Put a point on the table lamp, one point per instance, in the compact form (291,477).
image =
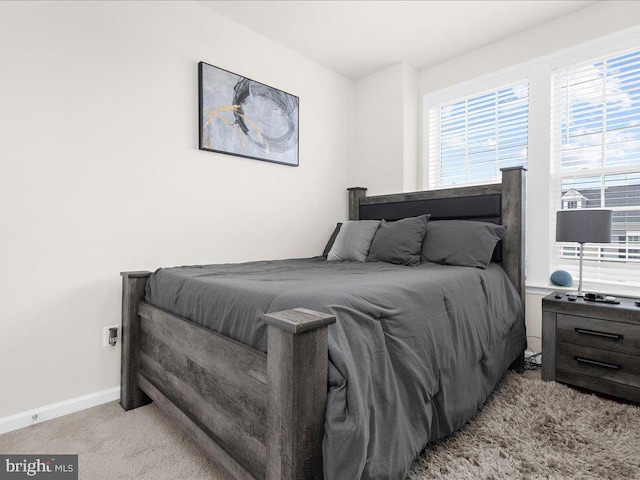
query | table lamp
(583,226)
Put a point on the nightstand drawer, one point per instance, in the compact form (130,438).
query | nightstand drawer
(592,383)
(602,334)
(606,365)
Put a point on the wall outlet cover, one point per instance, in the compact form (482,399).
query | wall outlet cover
(105,335)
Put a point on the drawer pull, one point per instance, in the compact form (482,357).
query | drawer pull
(598,364)
(613,336)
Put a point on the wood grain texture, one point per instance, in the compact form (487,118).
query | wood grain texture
(549,322)
(247,412)
(598,363)
(356,194)
(458,192)
(603,334)
(133,285)
(198,432)
(298,320)
(513,215)
(626,311)
(615,389)
(187,390)
(219,382)
(240,368)
(297,376)
(264,412)
(593,345)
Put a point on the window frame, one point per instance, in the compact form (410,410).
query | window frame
(458,92)
(540,223)
(600,260)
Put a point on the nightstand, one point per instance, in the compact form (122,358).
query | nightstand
(592,345)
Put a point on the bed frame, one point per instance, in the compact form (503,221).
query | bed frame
(261,416)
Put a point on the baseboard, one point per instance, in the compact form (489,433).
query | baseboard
(49,412)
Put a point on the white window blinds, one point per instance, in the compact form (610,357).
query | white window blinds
(596,162)
(472,138)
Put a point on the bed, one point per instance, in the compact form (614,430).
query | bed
(249,360)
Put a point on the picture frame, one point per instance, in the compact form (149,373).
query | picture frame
(242,117)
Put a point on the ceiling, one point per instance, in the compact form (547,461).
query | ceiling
(356,38)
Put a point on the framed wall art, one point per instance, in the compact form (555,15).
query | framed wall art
(242,117)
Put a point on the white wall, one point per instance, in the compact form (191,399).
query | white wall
(584,25)
(386,131)
(100,173)
(581,26)
(411,103)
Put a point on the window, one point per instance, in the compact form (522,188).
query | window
(472,138)
(578,132)
(632,251)
(596,160)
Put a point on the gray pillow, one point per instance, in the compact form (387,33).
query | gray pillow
(461,242)
(399,242)
(353,240)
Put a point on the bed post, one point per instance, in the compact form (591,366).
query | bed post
(133,284)
(355,194)
(513,215)
(513,243)
(297,393)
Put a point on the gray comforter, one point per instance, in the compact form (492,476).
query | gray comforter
(414,353)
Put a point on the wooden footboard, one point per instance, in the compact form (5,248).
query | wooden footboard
(259,416)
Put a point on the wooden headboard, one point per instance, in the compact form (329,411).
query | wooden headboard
(501,203)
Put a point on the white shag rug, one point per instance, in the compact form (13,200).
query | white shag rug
(530,429)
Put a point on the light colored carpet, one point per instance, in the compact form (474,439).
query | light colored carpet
(528,430)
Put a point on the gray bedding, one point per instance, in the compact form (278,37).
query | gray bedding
(414,352)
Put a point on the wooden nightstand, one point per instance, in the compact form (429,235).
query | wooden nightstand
(592,345)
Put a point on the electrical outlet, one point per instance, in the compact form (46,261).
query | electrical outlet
(105,335)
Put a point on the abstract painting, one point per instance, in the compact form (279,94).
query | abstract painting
(239,116)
